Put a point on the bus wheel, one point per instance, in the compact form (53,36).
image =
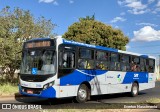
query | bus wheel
(82,94)
(134,90)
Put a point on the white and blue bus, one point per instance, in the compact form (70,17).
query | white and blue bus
(58,68)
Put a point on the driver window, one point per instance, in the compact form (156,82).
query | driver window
(68,60)
(48,62)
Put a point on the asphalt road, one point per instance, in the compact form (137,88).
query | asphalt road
(95,100)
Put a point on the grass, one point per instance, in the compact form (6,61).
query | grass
(8,89)
(153,100)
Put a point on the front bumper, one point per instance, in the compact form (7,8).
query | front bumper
(47,93)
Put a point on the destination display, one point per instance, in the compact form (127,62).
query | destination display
(38,44)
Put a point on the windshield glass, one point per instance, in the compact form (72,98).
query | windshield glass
(38,62)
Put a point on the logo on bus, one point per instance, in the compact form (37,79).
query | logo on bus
(34,71)
(119,77)
(136,75)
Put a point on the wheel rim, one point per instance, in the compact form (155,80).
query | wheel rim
(82,94)
(135,90)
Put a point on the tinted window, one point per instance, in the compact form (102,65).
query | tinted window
(114,64)
(86,57)
(85,53)
(125,62)
(68,60)
(101,60)
(101,55)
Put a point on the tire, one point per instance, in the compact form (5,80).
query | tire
(82,94)
(134,90)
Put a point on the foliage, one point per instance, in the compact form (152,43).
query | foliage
(16,27)
(8,89)
(90,31)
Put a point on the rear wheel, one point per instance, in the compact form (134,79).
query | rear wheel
(82,94)
(134,90)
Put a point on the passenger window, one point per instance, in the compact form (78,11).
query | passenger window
(86,53)
(101,55)
(142,64)
(85,60)
(125,60)
(150,66)
(101,60)
(114,64)
(135,64)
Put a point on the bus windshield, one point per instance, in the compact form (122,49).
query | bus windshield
(41,61)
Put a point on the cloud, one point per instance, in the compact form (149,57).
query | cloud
(150,1)
(116,19)
(147,24)
(135,6)
(146,33)
(122,13)
(49,1)
(158,4)
(55,3)
(58,36)
(46,1)
(71,1)
(128,47)
(157,9)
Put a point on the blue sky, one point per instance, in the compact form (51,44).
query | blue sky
(138,19)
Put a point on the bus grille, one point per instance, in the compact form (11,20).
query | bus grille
(35,90)
(32,78)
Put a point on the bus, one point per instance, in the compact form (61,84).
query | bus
(59,68)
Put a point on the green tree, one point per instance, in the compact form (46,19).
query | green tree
(17,26)
(90,31)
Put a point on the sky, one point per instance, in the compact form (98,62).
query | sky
(138,19)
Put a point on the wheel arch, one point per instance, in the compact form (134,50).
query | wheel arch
(87,84)
(136,83)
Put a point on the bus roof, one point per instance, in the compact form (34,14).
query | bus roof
(104,48)
(64,41)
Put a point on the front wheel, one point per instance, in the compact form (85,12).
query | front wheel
(134,90)
(82,94)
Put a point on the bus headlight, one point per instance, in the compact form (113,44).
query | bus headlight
(51,84)
(48,85)
(45,86)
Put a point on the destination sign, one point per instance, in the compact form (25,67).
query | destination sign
(38,44)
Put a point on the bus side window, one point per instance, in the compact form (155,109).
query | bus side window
(151,65)
(86,57)
(114,64)
(142,65)
(68,60)
(124,59)
(101,60)
(135,64)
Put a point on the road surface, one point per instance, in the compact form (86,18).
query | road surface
(95,100)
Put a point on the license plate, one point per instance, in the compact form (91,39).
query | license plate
(29,91)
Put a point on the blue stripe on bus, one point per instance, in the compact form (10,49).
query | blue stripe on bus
(79,76)
(89,45)
(140,77)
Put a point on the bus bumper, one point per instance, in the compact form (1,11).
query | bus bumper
(47,93)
